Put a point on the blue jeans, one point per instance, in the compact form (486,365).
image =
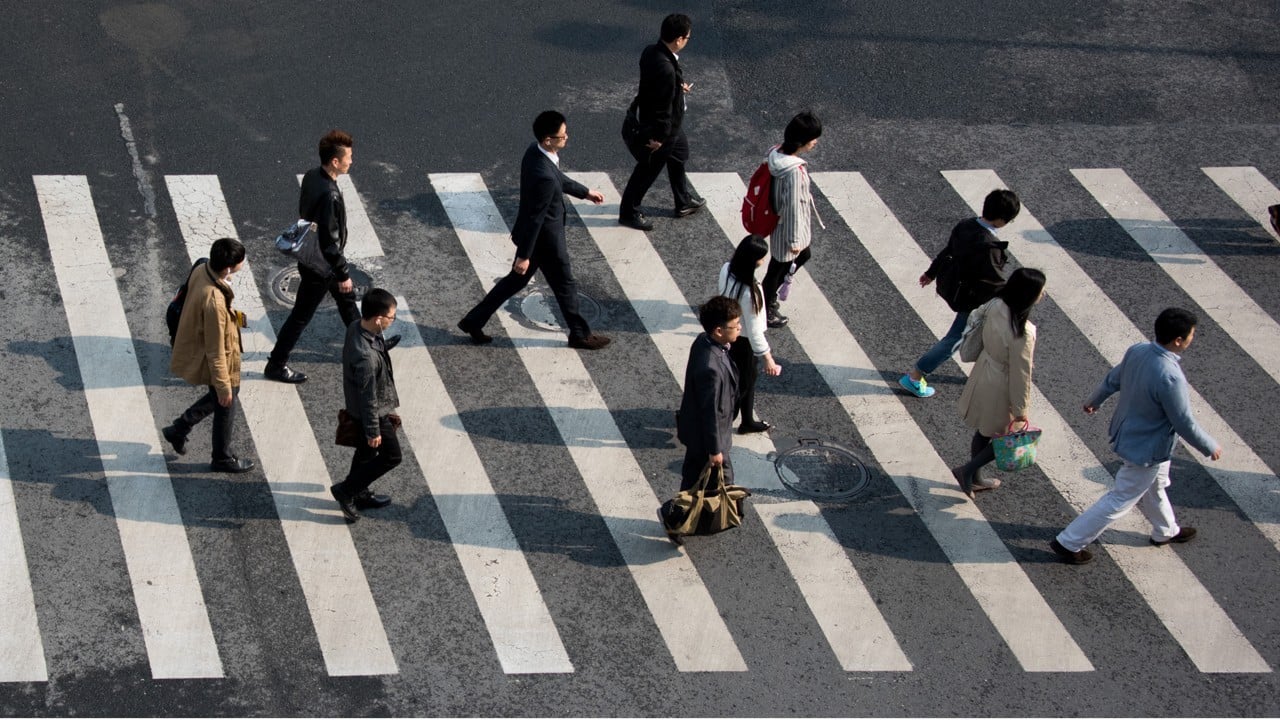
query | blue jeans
(943,349)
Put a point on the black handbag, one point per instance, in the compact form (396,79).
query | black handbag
(349,433)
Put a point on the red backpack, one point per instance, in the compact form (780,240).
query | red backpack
(758,215)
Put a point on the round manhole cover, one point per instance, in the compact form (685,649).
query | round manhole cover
(284,283)
(820,470)
(541,308)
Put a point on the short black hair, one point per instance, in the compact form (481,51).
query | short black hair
(717,312)
(225,253)
(1174,323)
(675,25)
(547,124)
(330,143)
(803,127)
(1001,205)
(376,302)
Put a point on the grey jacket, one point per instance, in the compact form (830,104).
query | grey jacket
(709,403)
(794,202)
(1153,406)
(367,380)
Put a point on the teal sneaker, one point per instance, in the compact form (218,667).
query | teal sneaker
(919,389)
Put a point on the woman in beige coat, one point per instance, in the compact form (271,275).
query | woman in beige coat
(999,388)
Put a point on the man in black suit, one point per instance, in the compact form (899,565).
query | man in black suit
(320,201)
(539,237)
(654,130)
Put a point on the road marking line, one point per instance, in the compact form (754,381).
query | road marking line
(1021,616)
(362,239)
(680,605)
(1198,275)
(1193,617)
(505,590)
(171,610)
(1250,189)
(844,610)
(21,651)
(348,627)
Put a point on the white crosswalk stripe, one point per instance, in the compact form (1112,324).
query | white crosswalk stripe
(21,651)
(344,608)
(175,623)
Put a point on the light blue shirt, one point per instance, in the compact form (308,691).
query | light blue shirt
(1154,406)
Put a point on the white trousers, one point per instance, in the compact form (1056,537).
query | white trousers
(1135,485)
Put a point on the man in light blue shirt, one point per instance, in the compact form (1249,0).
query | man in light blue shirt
(1153,410)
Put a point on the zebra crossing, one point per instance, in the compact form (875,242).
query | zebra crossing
(527,632)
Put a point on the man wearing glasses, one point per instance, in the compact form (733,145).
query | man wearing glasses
(539,237)
(371,400)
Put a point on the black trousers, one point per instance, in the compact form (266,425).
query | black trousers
(745,361)
(776,273)
(223,421)
(311,290)
(369,464)
(558,274)
(695,461)
(981,453)
(649,163)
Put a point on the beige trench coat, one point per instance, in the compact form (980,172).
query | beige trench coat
(206,350)
(999,388)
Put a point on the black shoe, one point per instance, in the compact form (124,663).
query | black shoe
(368,501)
(637,221)
(284,374)
(392,341)
(477,335)
(777,320)
(1184,535)
(590,342)
(1274,213)
(345,504)
(175,438)
(695,204)
(753,426)
(674,538)
(1079,557)
(232,465)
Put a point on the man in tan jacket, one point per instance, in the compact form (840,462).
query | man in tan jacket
(206,351)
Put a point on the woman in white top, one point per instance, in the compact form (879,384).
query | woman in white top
(738,281)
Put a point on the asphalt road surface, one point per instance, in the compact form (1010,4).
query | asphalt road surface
(520,570)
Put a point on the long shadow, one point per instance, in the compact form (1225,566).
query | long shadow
(1104,237)
(647,427)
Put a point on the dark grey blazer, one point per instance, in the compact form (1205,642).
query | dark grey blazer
(710,399)
(368,383)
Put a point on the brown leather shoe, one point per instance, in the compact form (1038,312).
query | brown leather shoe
(1184,535)
(1079,557)
(590,342)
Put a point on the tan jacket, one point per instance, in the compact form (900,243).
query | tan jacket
(999,388)
(206,350)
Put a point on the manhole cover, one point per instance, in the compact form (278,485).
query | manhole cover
(820,470)
(284,283)
(541,308)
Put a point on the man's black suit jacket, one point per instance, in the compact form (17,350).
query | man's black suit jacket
(541,215)
(661,95)
(710,399)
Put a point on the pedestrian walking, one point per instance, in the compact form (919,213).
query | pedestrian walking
(1153,409)
(738,281)
(539,237)
(969,271)
(998,392)
(710,400)
(369,388)
(206,351)
(789,243)
(319,201)
(654,126)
